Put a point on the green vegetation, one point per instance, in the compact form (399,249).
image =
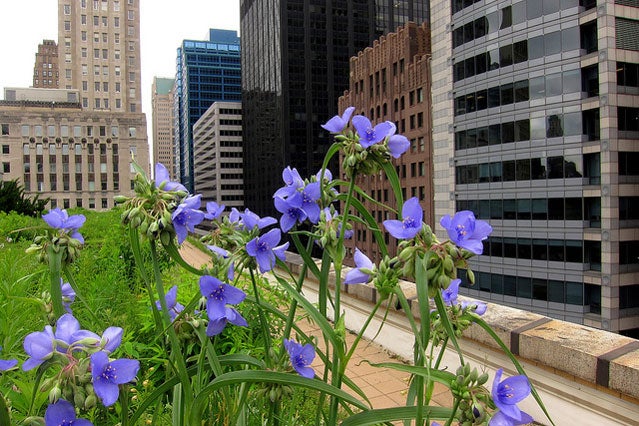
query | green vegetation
(13,199)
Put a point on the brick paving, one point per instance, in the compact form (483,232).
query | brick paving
(383,386)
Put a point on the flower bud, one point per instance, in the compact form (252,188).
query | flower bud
(54,394)
(90,402)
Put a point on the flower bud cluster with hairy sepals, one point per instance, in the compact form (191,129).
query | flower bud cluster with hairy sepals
(359,160)
(460,319)
(59,242)
(474,398)
(149,211)
(386,277)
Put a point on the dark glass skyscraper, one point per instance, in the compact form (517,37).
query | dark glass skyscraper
(207,71)
(295,65)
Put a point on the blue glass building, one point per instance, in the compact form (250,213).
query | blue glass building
(207,71)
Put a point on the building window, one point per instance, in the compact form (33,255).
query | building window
(104,203)
(83,19)
(6,167)
(96,37)
(4,129)
(131,15)
(67,25)
(116,22)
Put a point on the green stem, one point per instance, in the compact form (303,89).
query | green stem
(55,266)
(263,323)
(175,344)
(298,286)
(124,405)
(139,261)
(361,333)
(452,414)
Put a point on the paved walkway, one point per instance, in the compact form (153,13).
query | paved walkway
(384,387)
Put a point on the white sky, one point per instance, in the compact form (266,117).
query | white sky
(163,25)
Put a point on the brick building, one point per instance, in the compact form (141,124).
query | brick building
(391,82)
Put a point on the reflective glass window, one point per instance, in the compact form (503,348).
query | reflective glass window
(537,128)
(469,67)
(536,47)
(469,32)
(481,63)
(553,85)
(572,124)
(520,51)
(507,94)
(482,100)
(574,251)
(552,43)
(551,6)
(510,209)
(534,9)
(493,97)
(556,290)
(521,91)
(523,209)
(523,173)
(537,169)
(506,55)
(519,12)
(537,88)
(554,126)
(522,130)
(509,176)
(539,207)
(524,287)
(494,134)
(496,248)
(493,22)
(493,59)
(481,25)
(570,39)
(574,209)
(540,249)
(571,81)
(540,287)
(506,17)
(556,250)
(510,285)
(524,248)
(555,209)
(574,293)
(573,167)
(507,132)
(482,136)
(510,247)
(555,167)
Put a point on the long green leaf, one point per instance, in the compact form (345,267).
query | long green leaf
(173,251)
(252,376)
(374,417)
(483,324)
(443,377)
(370,221)
(393,179)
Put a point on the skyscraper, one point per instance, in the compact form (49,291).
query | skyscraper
(99,53)
(207,71)
(162,111)
(295,57)
(45,70)
(535,129)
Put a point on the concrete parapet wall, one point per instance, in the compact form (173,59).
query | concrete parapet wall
(600,359)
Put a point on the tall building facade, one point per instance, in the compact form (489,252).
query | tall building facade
(99,53)
(391,82)
(207,71)
(535,129)
(75,157)
(163,130)
(295,59)
(217,147)
(45,71)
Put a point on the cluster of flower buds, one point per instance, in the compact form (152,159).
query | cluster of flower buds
(62,236)
(150,210)
(468,387)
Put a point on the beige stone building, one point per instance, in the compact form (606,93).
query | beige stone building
(45,71)
(99,53)
(391,82)
(77,158)
(163,125)
(217,147)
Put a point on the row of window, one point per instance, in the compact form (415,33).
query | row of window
(492,97)
(556,125)
(65,148)
(572,208)
(64,130)
(569,292)
(531,9)
(66,186)
(488,24)
(558,167)
(548,44)
(66,203)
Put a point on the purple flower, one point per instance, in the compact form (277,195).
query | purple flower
(62,413)
(163,182)
(68,295)
(292,181)
(186,216)
(310,195)
(506,394)
(411,223)
(6,364)
(362,271)
(465,231)
(39,346)
(327,175)
(291,209)
(108,375)
(251,220)
(213,210)
(301,357)
(369,135)
(59,219)
(397,145)
(478,307)
(337,123)
(109,342)
(218,321)
(173,306)
(450,293)
(218,295)
(265,249)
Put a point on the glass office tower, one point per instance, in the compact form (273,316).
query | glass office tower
(535,130)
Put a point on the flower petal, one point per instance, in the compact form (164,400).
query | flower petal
(397,145)
(126,370)
(59,413)
(111,338)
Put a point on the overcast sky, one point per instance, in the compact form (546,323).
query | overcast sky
(164,24)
